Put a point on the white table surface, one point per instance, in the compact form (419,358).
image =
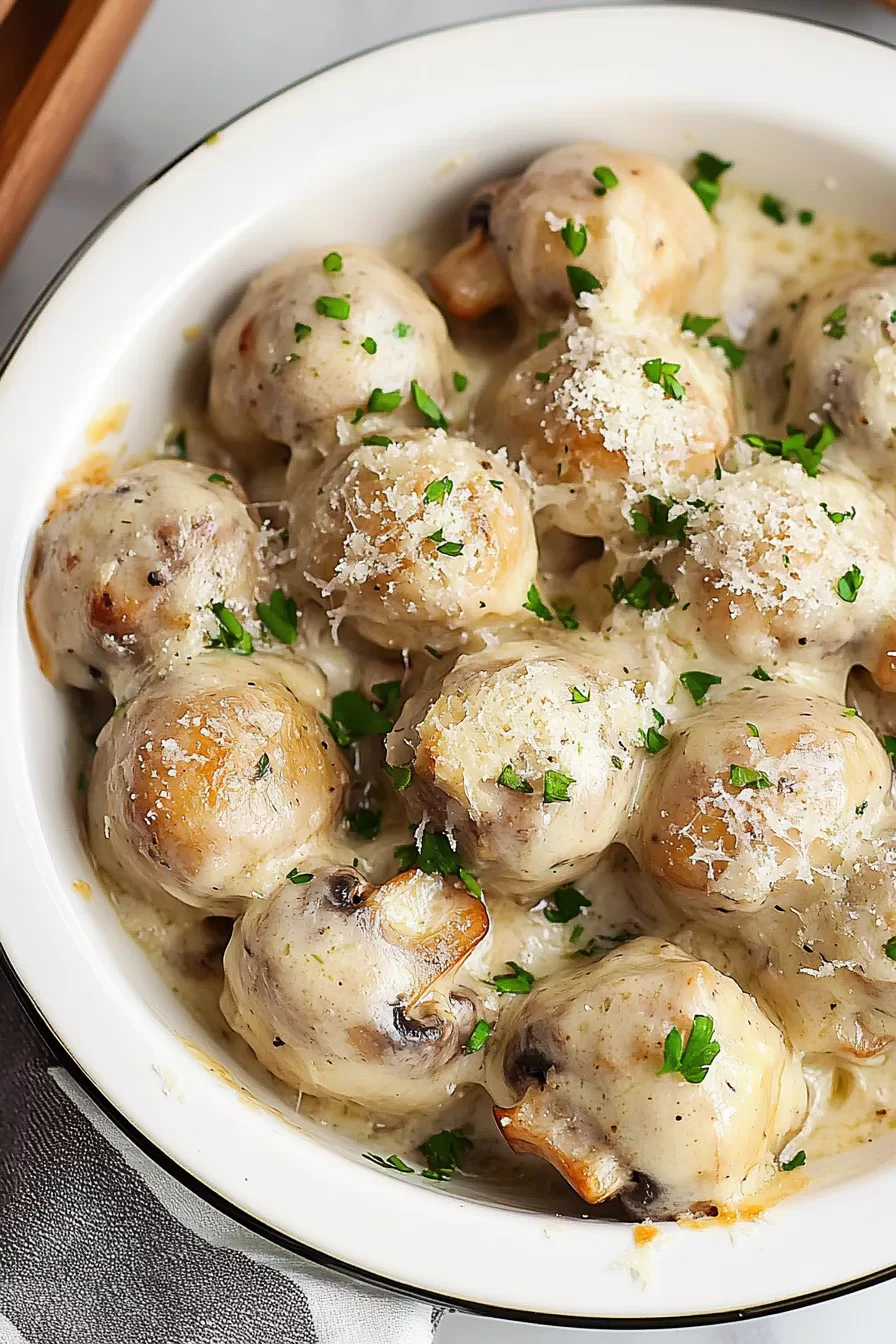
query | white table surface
(195,63)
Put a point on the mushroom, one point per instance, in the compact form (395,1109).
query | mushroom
(348,990)
(646,1075)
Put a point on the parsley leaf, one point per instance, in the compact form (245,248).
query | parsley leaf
(834,325)
(705,182)
(364,821)
(353,717)
(692,1061)
(838,518)
(509,779)
(889,746)
(848,584)
(698,683)
(760,674)
(400,775)
(460,381)
(444,1153)
(332,262)
(575,236)
(579,697)
(534,604)
(698,325)
(478,1037)
(280,616)
(333,306)
(519,982)
(393,1163)
(557,786)
(427,407)
(383,401)
(660,372)
(232,636)
(890,949)
(568,902)
(369,344)
(647,589)
(545,338)
(798,1160)
(773,208)
(439,490)
(301,330)
(743,776)
(298,879)
(263,767)
(796,447)
(582,281)
(401,329)
(883,258)
(653,740)
(605,178)
(657,523)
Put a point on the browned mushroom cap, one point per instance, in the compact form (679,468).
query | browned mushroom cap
(758,788)
(470,280)
(577,1067)
(125,574)
(211,781)
(348,990)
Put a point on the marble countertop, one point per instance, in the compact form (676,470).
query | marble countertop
(195,63)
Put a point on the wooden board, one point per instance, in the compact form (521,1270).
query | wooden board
(56,57)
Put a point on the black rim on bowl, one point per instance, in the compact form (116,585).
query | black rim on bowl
(141,1140)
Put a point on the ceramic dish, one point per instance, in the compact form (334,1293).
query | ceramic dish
(392,140)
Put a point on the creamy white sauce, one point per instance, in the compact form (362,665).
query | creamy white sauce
(765,268)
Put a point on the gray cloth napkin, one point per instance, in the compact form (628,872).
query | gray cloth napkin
(98,1245)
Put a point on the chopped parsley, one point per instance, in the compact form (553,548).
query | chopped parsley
(232,634)
(862,808)
(890,949)
(834,325)
(657,523)
(744,776)
(605,178)
(460,381)
(179,444)
(427,407)
(445,547)
(705,182)
(365,821)
(499,485)
(575,236)
(567,903)
(798,1160)
(653,740)
(839,518)
(383,401)
(332,262)
(660,372)
(545,338)
(582,281)
(509,779)
(353,716)
(534,604)
(579,697)
(217,479)
(698,684)
(263,767)
(760,674)
(883,258)
(301,330)
(774,336)
(444,1152)
(543,376)
(796,447)
(392,1163)
(848,584)
(773,208)
(376,440)
(400,775)
(329,305)
(369,344)
(698,325)
(478,1037)
(889,746)
(439,490)
(401,329)
(648,589)
(557,786)
(754,731)
(805,216)
(433,854)
(299,879)
(280,615)
(566,616)
(692,1060)
(518,982)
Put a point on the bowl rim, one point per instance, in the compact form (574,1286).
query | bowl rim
(28,1003)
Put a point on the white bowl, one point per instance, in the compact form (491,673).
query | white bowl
(361,152)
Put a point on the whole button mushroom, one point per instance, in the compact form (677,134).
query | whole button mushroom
(210,783)
(416,541)
(348,990)
(125,573)
(649,1076)
(529,753)
(319,336)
